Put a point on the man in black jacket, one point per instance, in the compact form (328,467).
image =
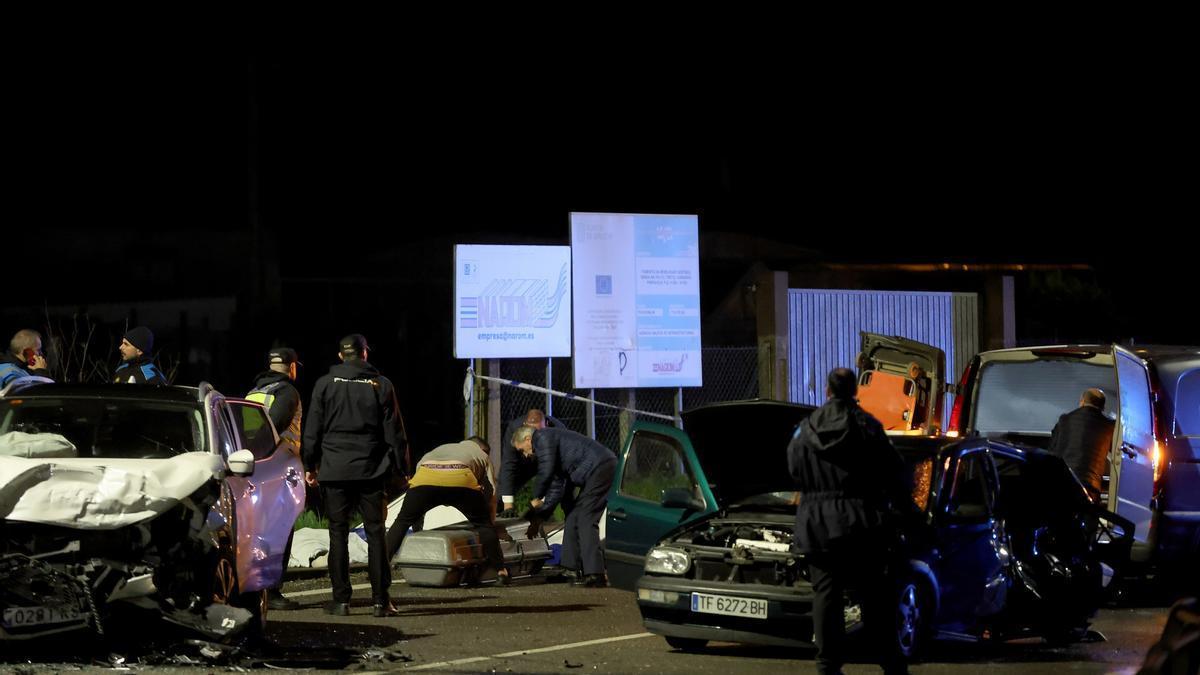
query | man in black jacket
(515,468)
(274,389)
(565,460)
(851,481)
(1083,438)
(353,441)
(137,364)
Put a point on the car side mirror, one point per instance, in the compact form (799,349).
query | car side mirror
(241,463)
(681,498)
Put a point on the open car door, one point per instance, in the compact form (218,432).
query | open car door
(1132,459)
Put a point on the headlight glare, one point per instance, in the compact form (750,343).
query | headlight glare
(666,560)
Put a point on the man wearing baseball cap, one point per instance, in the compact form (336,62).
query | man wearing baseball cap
(353,442)
(137,363)
(274,389)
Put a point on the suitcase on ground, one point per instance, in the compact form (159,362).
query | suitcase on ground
(453,555)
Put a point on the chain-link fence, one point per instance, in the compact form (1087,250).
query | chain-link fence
(730,374)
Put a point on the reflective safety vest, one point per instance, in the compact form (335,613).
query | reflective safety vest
(289,437)
(9,372)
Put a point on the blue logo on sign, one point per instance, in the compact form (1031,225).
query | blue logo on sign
(603,284)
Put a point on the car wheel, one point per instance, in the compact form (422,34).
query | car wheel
(686,644)
(914,616)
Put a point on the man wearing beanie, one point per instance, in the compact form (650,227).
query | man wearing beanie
(353,442)
(137,365)
(273,388)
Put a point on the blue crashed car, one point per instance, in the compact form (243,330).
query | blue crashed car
(1009,545)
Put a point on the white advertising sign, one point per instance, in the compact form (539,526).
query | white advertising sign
(636,282)
(512,301)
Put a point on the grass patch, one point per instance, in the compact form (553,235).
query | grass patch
(311,519)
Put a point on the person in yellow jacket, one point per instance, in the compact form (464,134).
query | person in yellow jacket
(458,475)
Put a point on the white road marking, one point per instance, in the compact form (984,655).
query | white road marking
(525,652)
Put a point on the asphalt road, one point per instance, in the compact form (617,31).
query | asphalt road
(535,627)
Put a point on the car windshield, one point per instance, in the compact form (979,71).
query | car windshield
(88,427)
(1029,396)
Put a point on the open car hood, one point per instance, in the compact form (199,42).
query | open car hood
(742,445)
(100,494)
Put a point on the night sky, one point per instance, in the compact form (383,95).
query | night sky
(170,172)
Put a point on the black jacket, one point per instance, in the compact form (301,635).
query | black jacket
(1083,438)
(140,370)
(849,476)
(515,470)
(287,398)
(353,429)
(563,455)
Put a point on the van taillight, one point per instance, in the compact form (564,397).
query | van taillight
(1156,460)
(960,396)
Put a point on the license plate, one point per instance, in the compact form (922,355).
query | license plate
(729,605)
(16,617)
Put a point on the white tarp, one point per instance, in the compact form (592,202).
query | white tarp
(310,546)
(102,494)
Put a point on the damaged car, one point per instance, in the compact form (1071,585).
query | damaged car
(986,561)
(176,501)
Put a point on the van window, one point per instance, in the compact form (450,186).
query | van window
(1029,396)
(1187,405)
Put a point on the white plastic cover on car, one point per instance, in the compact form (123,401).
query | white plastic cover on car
(21,444)
(102,494)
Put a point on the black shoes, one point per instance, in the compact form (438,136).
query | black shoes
(277,601)
(382,609)
(503,578)
(337,608)
(593,581)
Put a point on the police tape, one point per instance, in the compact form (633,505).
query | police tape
(471,374)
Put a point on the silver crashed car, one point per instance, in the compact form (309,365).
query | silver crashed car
(174,500)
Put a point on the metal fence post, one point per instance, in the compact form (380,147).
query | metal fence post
(679,408)
(549,385)
(591,414)
(626,419)
(495,421)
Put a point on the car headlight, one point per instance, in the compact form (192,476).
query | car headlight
(666,560)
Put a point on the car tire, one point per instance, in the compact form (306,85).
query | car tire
(914,618)
(686,644)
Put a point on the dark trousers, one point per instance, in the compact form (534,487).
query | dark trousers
(341,499)
(287,557)
(419,500)
(859,562)
(581,535)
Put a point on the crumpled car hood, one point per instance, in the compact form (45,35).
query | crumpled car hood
(100,494)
